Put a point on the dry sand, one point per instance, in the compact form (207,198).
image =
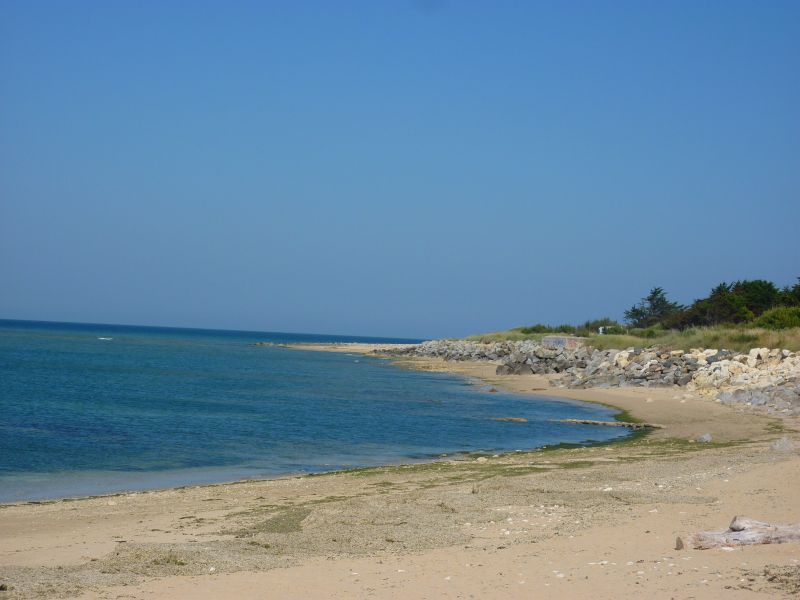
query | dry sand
(596,522)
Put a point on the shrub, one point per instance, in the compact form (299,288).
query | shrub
(538,328)
(594,324)
(614,330)
(648,333)
(782,317)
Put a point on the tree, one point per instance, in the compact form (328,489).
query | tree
(721,306)
(759,295)
(790,296)
(724,306)
(653,309)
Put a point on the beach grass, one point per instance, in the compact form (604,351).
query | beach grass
(512,335)
(731,338)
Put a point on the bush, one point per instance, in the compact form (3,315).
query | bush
(538,328)
(648,332)
(782,317)
(594,324)
(614,330)
(565,329)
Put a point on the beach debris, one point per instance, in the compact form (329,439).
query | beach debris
(742,531)
(481,460)
(703,439)
(784,444)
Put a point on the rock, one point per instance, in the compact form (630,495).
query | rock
(718,356)
(703,439)
(621,360)
(782,445)
(763,379)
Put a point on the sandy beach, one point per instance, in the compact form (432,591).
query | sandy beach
(593,522)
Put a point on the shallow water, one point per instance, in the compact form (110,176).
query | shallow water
(156,407)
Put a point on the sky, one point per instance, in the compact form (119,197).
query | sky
(398,168)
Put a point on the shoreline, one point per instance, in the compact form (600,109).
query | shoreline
(639,404)
(586,522)
(366,350)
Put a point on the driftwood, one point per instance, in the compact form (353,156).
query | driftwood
(742,531)
(611,423)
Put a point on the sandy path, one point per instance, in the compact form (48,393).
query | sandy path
(578,523)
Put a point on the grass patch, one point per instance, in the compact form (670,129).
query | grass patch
(626,417)
(169,559)
(731,338)
(779,426)
(512,335)
(740,339)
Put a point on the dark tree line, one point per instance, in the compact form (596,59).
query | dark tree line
(728,303)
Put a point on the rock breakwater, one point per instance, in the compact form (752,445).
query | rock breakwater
(765,378)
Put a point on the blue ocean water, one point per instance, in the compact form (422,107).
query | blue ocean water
(88,409)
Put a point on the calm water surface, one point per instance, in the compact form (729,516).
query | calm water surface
(154,407)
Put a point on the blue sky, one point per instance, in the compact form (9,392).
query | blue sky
(403,168)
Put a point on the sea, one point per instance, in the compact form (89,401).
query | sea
(91,409)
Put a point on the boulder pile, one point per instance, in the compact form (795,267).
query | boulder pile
(763,377)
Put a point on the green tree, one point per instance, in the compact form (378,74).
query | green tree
(759,295)
(654,308)
(724,306)
(790,296)
(721,306)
